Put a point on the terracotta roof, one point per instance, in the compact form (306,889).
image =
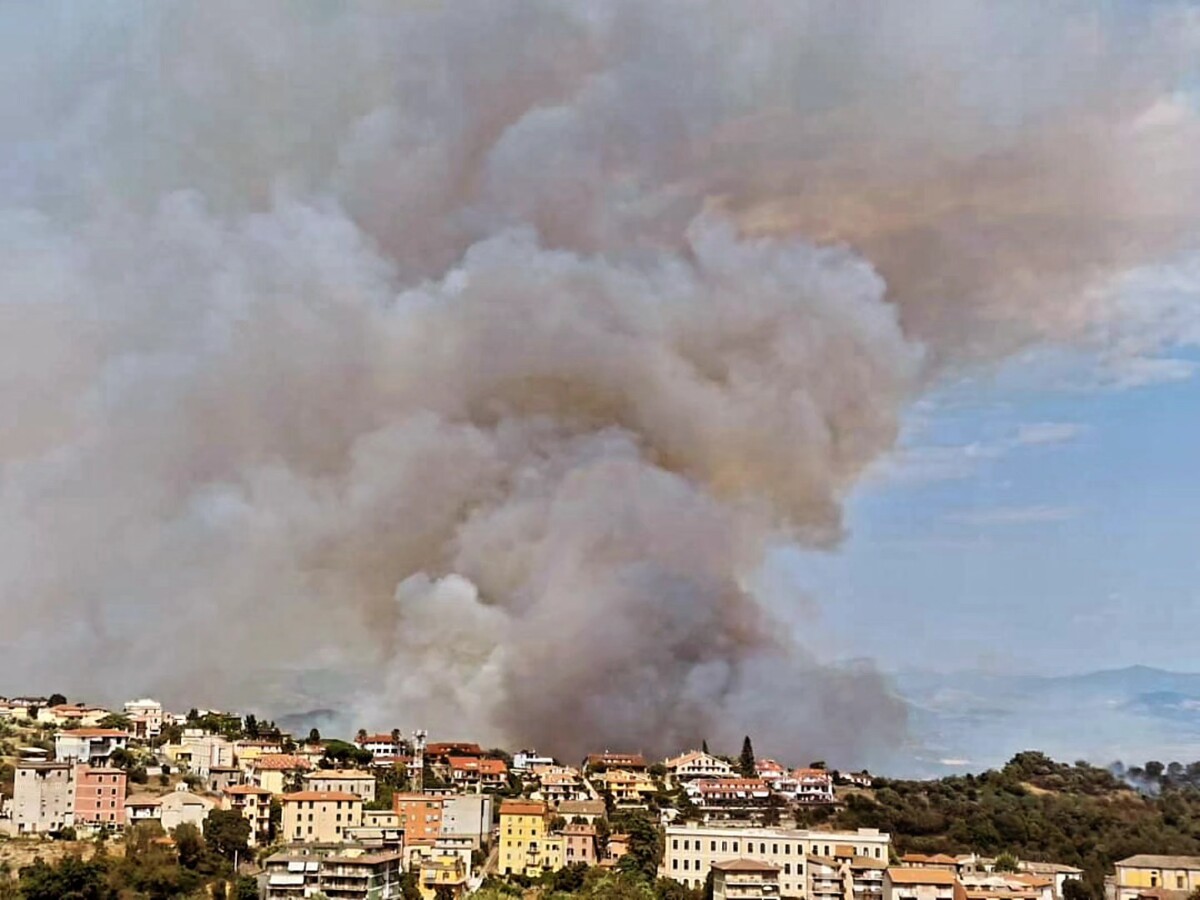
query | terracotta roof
(917,875)
(322,795)
(617,759)
(95,732)
(281,762)
(744,865)
(581,808)
(717,784)
(522,808)
(246,789)
(343,774)
(378,739)
(143,801)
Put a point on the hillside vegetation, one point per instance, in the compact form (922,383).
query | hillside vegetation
(1037,809)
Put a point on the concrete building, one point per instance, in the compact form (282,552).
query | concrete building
(813,786)
(99,797)
(599,762)
(146,715)
(1148,875)
(630,789)
(142,809)
(579,844)
(339,873)
(467,816)
(587,810)
(182,806)
(442,870)
(88,745)
(468,772)
(420,815)
(254,803)
(221,778)
(348,781)
(524,760)
(691,850)
(524,825)
(915,883)
(320,817)
(200,752)
(845,876)
(43,797)
(745,879)
(729,797)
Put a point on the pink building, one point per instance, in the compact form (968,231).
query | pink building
(99,796)
(581,844)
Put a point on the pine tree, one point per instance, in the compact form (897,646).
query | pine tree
(746,760)
(704,747)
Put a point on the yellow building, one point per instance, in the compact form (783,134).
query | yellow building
(320,817)
(629,789)
(524,827)
(444,871)
(1146,874)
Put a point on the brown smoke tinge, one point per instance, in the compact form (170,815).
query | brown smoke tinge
(479,350)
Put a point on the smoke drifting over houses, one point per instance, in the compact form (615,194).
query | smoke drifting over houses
(487,346)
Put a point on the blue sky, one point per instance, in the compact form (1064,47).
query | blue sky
(1021,529)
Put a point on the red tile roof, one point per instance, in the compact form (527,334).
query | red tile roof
(322,795)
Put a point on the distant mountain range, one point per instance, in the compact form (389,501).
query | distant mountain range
(967,721)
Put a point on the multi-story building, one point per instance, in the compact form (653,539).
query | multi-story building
(89,745)
(467,816)
(43,797)
(599,762)
(629,789)
(444,871)
(420,816)
(579,844)
(254,803)
(200,752)
(344,873)
(697,764)
(382,747)
(278,773)
(142,809)
(813,786)
(586,810)
(146,716)
(916,883)
(320,817)
(1145,873)
(556,789)
(470,772)
(247,750)
(691,850)
(845,876)
(524,760)
(349,781)
(1057,872)
(524,825)
(745,879)
(729,797)
(99,796)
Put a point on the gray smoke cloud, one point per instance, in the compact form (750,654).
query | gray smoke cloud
(482,349)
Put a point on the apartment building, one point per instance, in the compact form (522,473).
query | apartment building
(691,850)
(729,797)
(1140,875)
(420,816)
(467,816)
(442,873)
(320,817)
(345,873)
(745,879)
(629,788)
(524,760)
(524,826)
(99,796)
(146,715)
(43,797)
(471,772)
(916,883)
(348,781)
(182,807)
(599,762)
(845,876)
(254,803)
(278,772)
(88,745)
(697,764)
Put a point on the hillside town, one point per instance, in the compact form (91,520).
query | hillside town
(382,816)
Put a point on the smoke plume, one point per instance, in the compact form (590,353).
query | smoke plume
(484,347)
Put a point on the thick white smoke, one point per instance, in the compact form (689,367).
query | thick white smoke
(484,347)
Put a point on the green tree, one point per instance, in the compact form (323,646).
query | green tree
(70,879)
(1007,862)
(443,892)
(250,726)
(409,889)
(117,721)
(57,700)
(227,833)
(189,845)
(1074,889)
(314,736)
(704,746)
(246,888)
(746,760)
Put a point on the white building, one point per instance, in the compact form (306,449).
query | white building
(43,797)
(916,883)
(745,879)
(524,760)
(182,806)
(350,781)
(88,745)
(467,816)
(696,764)
(691,850)
(146,716)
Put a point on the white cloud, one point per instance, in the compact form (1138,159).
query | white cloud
(1015,515)
(1036,433)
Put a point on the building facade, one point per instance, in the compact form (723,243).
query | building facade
(1140,875)
(43,797)
(745,879)
(99,796)
(347,781)
(691,850)
(320,817)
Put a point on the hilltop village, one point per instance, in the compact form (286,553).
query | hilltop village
(218,804)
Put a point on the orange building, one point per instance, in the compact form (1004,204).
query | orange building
(99,796)
(420,816)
